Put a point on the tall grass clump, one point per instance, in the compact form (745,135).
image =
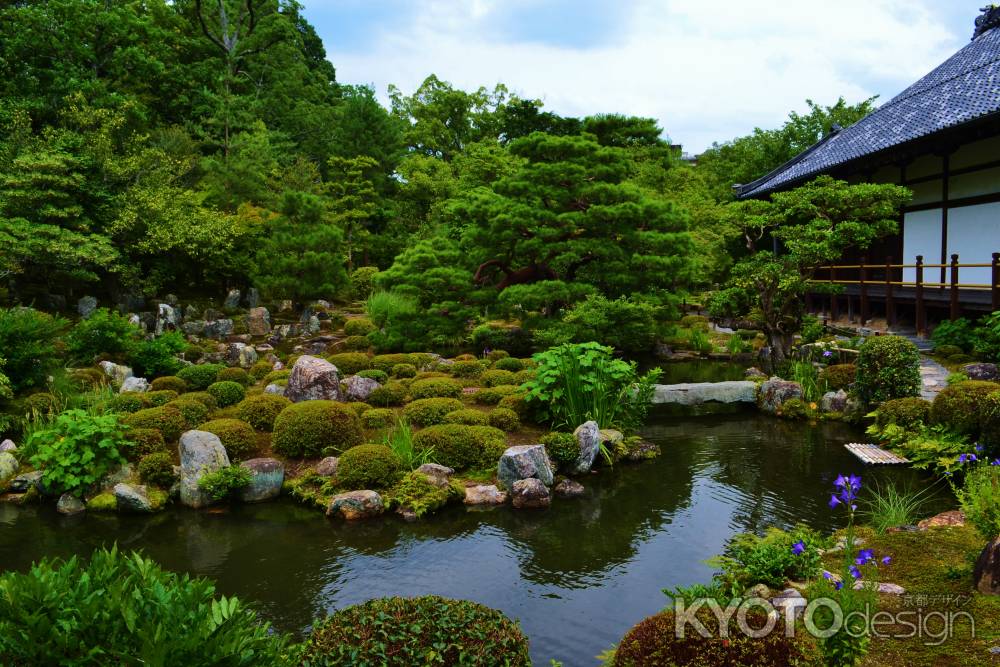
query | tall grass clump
(890,506)
(383,308)
(806,375)
(400,440)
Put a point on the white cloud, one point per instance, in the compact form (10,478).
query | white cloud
(707,71)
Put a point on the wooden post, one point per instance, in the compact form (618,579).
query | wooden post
(995,282)
(890,305)
(863,305)
(954,288)
(834,305)
(921,315)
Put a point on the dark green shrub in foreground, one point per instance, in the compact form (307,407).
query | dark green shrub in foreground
(408,631)
(227,392)
(561,447)
(961,407)
(261,410)
(430,411)
(368,467)
(142,441)
(888,367)
(462,447)
(122,609)
(200,376)
(158,356)
(314,428)
(167,419)
(238,437)
(390,394)
(905,412)
(77,450)
(157,469)
(837,376)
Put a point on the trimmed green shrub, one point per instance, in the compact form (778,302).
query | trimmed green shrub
(260,370)
(361,326)
(130,401)
(143,441)
(980,500)
(227,393)
(837,376)
(468,416)
(368,467)
(504,419)
(195,412)
(237,436)
(315,428)
(962,406)
(908,413)
(404,371)
(76,451)
(625,323)
(426,375)
(122,609)
(374,374)
(154,357)
(261,410)
(430,411)
(493,395)
(462,447)
(515,401)
(359,407)
(171,382)
(363,281)
(435,388)
(466,368)
(166,419)
(958,335)
(496,378)
(157,469)
(390,394)
(527,375)
(385,362)
(89,378)
(198,377)
(511,364)
(888,367)
(378,418)
(947,351)
(561,447)
(356,343)
(202,397)
(455,632)
(349,363)
(279,376)
(161,397)
(496,355)
(234,374)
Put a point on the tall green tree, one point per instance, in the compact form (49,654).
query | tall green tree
(354,203)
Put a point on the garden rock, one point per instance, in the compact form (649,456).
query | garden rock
(884,588)
(588,438)
(357,388)
(986,575)
(117,372)
(982,371)
(218,329)
(758,591)
(23,483)
(259,322)
(285,306)
(312,325)
(252,298)
(312,379)
(530,494)
(642,451)
(8,446)
(789,599)
(775,392)
(201,453)
(8,466)
(86,306)
(191,312)
(194,327)
(754,374)
(265,483)
(436,473)
(232,299)
(134,498)
(356,505)
(833,401)
(69,505)
(119,474)
(524,462)
(167,319)
(611,438)
(947,519)
(241,354)
(569,488)
(134,384)
(328,467)
(696,393)
(274,389)
(484,494)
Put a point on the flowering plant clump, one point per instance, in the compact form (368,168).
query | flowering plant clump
(979,494)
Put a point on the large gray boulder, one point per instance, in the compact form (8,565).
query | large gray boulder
(259,322)
(22,483)
(588,438)
(8,446)
(569,488)
(193,327)
(530,494)
(524,462)
(776,392)
(313,379)
(135,498)
(986,575)
(357,388)
(328,467)
(69,505)
(696,393)
(265,483)
(276,389)
(117,372)
(218,329)
(135,385)
(167,319)
(252,298)
(86,306)
(232,299)
(981,371)
(356,505)
(833,401)
(201,453)
(484,494)
(8,466)
(436,474)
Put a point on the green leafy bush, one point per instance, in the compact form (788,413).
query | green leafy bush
(195,412)
(980,499)
(378,418)
(234,374)
(504,419)
(362,281)
(561,447)
(888,367)
(403,371)
(158,356)
(947,351)
(511,364)
(417,494)
(390,394)
(812,329)
(374,374)
(127,402)
(227,393)
(143,441)
(456,632)
(104,332)
(961,406)
(166,419)
(515,401)
(40,403)
(202,397)
(987,338)
(909,413)
(198,377)
(122,609)
(435,388)
(837,376)
(368,467)
(27,340)
(496,377)
(494,395)
(225,482)
(356,343)
(466,369)
(468,416)
(958,334)
(171,382)
(462,447)
(157,469)
(349,363)
(493,336)
(160,397)
(626,323)
(261,410)
(314,428)
(430,411)
(77,450)
(237,436)
(358,327)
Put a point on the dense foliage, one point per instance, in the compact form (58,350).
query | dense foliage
(77,450)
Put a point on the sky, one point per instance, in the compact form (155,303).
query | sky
(707,71)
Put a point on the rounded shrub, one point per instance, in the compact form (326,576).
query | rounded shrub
(435,388)
(359,407)
(511,364)
(143,441)
(166,419)
(462,447)
(356,343)
(378,418)
(278,376)
(89,378)
(349,363)
(390,394)
(161,397)
(468,368)
(430,411)
(234,374)
(261,410)
(195,412)
(456,632)
(493,395)
(385,362)
(905,412)
(888,367)
(960,406)
(198,377)
(363,281)
(171,382)
(157,469)
(426,375)
(837,376)
(227,393)
(515,401)
(654,641)
(526,375)
(130,401)
(504,419)
(204,398)
(42,403)
(360,326)
(403,371)
(495,378)
(260,370)
(314,428)
(367,467)
(468,416)
(237,436)
(561,447)
(948,350)
(374,374)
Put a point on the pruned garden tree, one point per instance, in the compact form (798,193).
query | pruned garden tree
(815,225)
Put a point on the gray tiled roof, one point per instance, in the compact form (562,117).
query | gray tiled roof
(965,87)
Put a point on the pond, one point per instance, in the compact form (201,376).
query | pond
(696,370)
(577,575)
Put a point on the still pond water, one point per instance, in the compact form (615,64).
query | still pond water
(577,575)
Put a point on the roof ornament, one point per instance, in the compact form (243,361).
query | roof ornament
(989,19)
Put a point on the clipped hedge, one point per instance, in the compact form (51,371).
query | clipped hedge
(403,371)
(504,419)
(128,402)
(378,418)
(227,392)
(349,363)
(166,419)
(466,368)
(493,395)
(204,398)
(462,447)
(198,377)
(468,416)
(496,377)
(385,362)
(374,374)
(961,406)
(888,367)
(358,327)
(171,382)
(368,467)
(261,410)
(157,469)
(234,374)
(391,394)
(435,388)
(905,412)
(237,436)
(430,411)
(160,397)
(837,376)
(512,364)
(143,441)
(315,428)
(195,412)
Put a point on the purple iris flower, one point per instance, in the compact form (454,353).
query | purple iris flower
(827,353)
(865,556)
(837,585)
(996,462)
(846,490)
(978,447)
(798,548)
(886,560)
(855,572)
(827,575)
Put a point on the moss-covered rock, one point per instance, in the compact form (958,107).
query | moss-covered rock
(368,467)
(315,428)
(103,502)
(416,494)
(462,447)
(261,410)
(237,436)
(430,411)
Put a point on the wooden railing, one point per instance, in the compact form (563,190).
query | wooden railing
(865,275)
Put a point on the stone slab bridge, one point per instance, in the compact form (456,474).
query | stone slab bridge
(696,393)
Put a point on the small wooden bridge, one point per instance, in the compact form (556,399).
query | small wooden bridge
(873,454)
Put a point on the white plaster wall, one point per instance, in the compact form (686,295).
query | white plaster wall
(974,233)
(922,236)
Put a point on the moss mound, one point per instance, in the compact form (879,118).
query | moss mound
(837,376)
(237,436)
(166,419)
(368,467)
(315,428)
(468,416)
(435,388)
(234,374)
(961,406)
(143,441)
(198,377)
(261,410)
(390,394)
(504,419)
(905,412)
(157,469)
(430,411)
(495,378)
(227,392)
(195,412)
(161,397)
(462,447)
(171,382)
(378,418)
(128,402)
(349,363)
